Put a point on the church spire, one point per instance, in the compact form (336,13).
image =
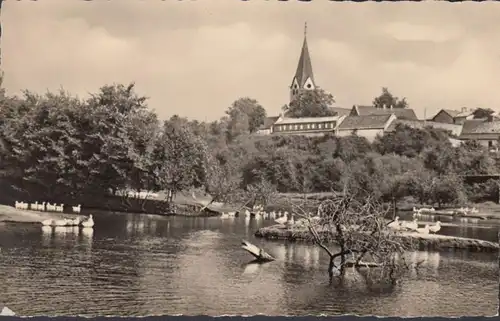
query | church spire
(304,77)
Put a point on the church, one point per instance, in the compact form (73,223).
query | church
(366,121)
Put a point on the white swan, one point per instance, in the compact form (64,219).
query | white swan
(34,206)
(416,210)
(424,230)
(435,228)
(75,222)
(62,222)
(89,222)
(282,220)
(394,224)
(474,210)
(48,222)
(60,208)
(411,225)
(224,215)
(41,207)
(18,205)
(247,213)
(77,209)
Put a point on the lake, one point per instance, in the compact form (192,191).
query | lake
(134,265)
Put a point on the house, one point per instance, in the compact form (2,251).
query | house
(368,126)
(484,131)
(448,116)
(421,124)
(308,126)
(401,113)
(266,128)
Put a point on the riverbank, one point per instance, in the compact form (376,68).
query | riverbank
(433,242)
(9,214)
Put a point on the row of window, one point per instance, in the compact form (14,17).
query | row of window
(280,128)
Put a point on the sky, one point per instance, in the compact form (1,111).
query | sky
(194,58)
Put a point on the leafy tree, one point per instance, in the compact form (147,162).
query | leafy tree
(180,158)
(386,99)
(250,111)
(482,113)
(410,142)
(448,189)
(311,103)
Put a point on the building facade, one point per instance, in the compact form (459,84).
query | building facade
(309,126)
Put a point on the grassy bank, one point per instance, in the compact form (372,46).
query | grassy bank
(434,242)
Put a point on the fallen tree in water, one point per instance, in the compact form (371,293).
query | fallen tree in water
(260,255)
(358,226)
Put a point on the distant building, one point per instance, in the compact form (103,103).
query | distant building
(484,131)
(368,126)
(304,77)
(309,126)
(365,124)
(448,116)
(401,113)
(266,128)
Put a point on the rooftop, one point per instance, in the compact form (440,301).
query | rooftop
(307,120)
(401,113)
(365,122)
(481,126)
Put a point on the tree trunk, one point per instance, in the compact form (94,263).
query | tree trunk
(260,255)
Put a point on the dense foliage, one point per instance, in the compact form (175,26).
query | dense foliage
(65,147)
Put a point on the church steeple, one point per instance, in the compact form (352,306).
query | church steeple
(304,77)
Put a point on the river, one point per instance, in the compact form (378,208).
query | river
(134,265)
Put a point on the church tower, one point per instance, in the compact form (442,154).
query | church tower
(304,78)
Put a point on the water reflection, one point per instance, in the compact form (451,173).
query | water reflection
(168,265)
(252,268)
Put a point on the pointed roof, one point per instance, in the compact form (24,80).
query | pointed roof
(304,68)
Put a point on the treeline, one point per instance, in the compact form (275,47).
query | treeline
(63,147)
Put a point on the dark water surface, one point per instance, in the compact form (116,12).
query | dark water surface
(133,265)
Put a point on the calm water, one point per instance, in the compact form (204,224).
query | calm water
(149,265)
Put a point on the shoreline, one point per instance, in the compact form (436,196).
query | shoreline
(435,242)
(9,214)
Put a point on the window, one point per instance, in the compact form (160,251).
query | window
(308,126)
(314,126)
(490,143)
(295,127)
(328,125)
(308,85)
(320,125)
(300,127)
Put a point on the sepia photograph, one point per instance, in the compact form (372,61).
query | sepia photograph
(244,158)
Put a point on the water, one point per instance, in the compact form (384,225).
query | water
(131,265)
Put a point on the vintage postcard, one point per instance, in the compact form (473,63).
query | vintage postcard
(223,157)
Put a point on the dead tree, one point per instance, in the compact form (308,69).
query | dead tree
(358,226)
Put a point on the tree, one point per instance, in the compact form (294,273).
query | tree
(311,103)
(359,228)
(386,99)
(410,142)
(180,159)
(482,113)
(252,112)
(448,189)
